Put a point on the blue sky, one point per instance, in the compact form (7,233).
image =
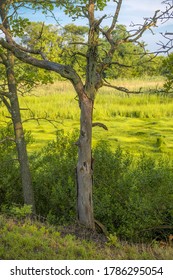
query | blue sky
(132,11)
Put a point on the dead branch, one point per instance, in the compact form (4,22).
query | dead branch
(115,17)
(38,119)
(166,47)
(98,22)
(100,125)
(123,89)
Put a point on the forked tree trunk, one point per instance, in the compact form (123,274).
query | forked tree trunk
(28,194)
(84,165)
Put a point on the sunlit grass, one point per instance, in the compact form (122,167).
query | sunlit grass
(139,122)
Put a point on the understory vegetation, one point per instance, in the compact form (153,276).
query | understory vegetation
(133,174)
(23,239)
(132,195)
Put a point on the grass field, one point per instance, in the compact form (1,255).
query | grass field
(138,123)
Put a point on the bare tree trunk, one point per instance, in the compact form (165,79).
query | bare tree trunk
(19,134)
(84,165)
(28,193)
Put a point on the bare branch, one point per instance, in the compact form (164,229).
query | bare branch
(143,27)
(100,125)
(79,53)
(98,22)
(123,89)
(115,17)
(52,122)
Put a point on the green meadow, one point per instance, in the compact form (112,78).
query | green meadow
(136,122)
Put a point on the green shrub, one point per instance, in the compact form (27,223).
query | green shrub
(132,197)
(19,212)
(10,187)
(54,178)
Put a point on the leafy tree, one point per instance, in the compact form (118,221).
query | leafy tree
(72,52)
(44,38)
(57,43)
(96,65)
(19,78)
(167,71)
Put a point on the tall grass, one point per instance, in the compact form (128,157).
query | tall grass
(59,101)
(110,105)
(137,120)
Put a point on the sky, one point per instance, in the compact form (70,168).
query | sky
(132,11)
(135,11)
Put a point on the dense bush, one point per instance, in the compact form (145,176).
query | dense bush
(53,171)
(167,69)
(10,187)
(133,196)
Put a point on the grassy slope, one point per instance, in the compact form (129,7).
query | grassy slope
(27,240)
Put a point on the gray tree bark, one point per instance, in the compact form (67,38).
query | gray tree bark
(25,174)
(84,166)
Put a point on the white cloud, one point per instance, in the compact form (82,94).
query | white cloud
(136,10)
(145,6)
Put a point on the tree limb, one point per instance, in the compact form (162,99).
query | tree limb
(42,119)
(115,17)
(100,125)
(65,71)
(123,89)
